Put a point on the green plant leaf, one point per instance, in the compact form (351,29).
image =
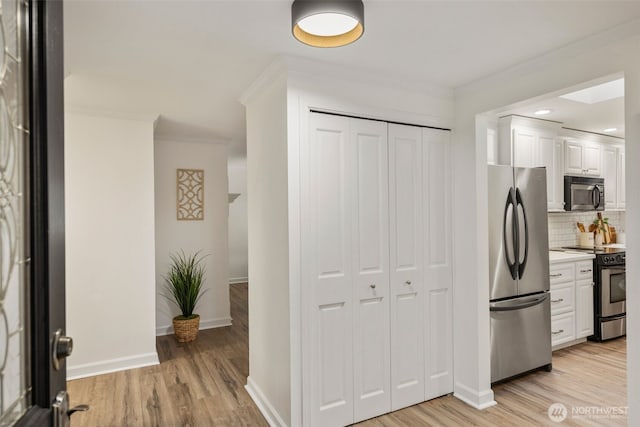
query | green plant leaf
(184,281)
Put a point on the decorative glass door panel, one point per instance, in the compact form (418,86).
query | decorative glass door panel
(14,299)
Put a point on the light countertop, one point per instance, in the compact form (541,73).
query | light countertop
(556,257)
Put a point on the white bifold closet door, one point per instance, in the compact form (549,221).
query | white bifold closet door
(376,268)
(406,247)
(346,249)
(438,269)
(421,270)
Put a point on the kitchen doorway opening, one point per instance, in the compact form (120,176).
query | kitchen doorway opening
(579,132)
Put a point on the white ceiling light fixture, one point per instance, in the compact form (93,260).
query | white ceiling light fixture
(327,23)
(542,112)
(610,130)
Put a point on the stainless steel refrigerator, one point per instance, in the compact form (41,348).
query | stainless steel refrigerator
(519,271)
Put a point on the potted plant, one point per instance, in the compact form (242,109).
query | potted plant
(184,283)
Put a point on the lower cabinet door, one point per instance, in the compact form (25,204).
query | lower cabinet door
(584,308)
(562,328)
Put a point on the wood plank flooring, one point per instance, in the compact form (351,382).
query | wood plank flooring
(201,384)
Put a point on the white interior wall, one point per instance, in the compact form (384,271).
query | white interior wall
(604,54)
(238,255)
(208,236)
(268,249)
(110,265)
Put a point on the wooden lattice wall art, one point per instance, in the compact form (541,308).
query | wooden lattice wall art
(190,195)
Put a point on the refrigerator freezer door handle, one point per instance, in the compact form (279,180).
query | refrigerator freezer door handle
(523,264)
(513,266)
(529,303)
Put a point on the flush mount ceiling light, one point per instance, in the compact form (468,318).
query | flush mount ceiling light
(327,23)
(610,130)
(542,112)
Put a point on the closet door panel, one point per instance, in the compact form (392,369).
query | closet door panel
(438,327)
(371,269)
(328,251)
(406,274)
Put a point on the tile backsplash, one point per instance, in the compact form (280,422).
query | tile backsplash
(563,225)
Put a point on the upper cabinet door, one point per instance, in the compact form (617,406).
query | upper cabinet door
(328,260)
(370,238)
(524,151)
(550,155)
(573,157)
(407,299)
(610,174)
(593,159)
(438,269)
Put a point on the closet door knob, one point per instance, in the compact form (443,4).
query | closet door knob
(372,286)
(408,282)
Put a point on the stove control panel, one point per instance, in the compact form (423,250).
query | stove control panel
(614,259)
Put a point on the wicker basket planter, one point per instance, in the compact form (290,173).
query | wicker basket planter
(186,329)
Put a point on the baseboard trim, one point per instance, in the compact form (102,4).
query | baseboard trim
(474,398)
(112,365)
(236,280)
(268,411)
(204,324)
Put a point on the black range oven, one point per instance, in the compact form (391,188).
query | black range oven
(610,296)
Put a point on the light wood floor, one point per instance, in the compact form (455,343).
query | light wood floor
(201,384)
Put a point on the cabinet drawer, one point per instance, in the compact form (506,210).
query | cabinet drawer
(562,328)
(561,273)
(584,270)
(562,299)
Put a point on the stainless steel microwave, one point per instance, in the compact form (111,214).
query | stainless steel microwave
(583,194)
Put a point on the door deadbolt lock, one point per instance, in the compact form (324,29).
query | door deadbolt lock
(62,347)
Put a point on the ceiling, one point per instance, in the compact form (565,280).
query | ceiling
(596,117)
(189,61)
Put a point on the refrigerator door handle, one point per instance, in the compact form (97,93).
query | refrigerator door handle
(501,306)
(523,264)
(513,266)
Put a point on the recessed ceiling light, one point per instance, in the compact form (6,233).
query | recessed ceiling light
(542,112)
(323,23)
(610,130)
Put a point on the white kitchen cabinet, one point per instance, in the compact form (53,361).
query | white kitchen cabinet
(613,172)
(526,142)
(583,158)
(584,308)
(571,302)
(378,254)
(610,175)
(584,298)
